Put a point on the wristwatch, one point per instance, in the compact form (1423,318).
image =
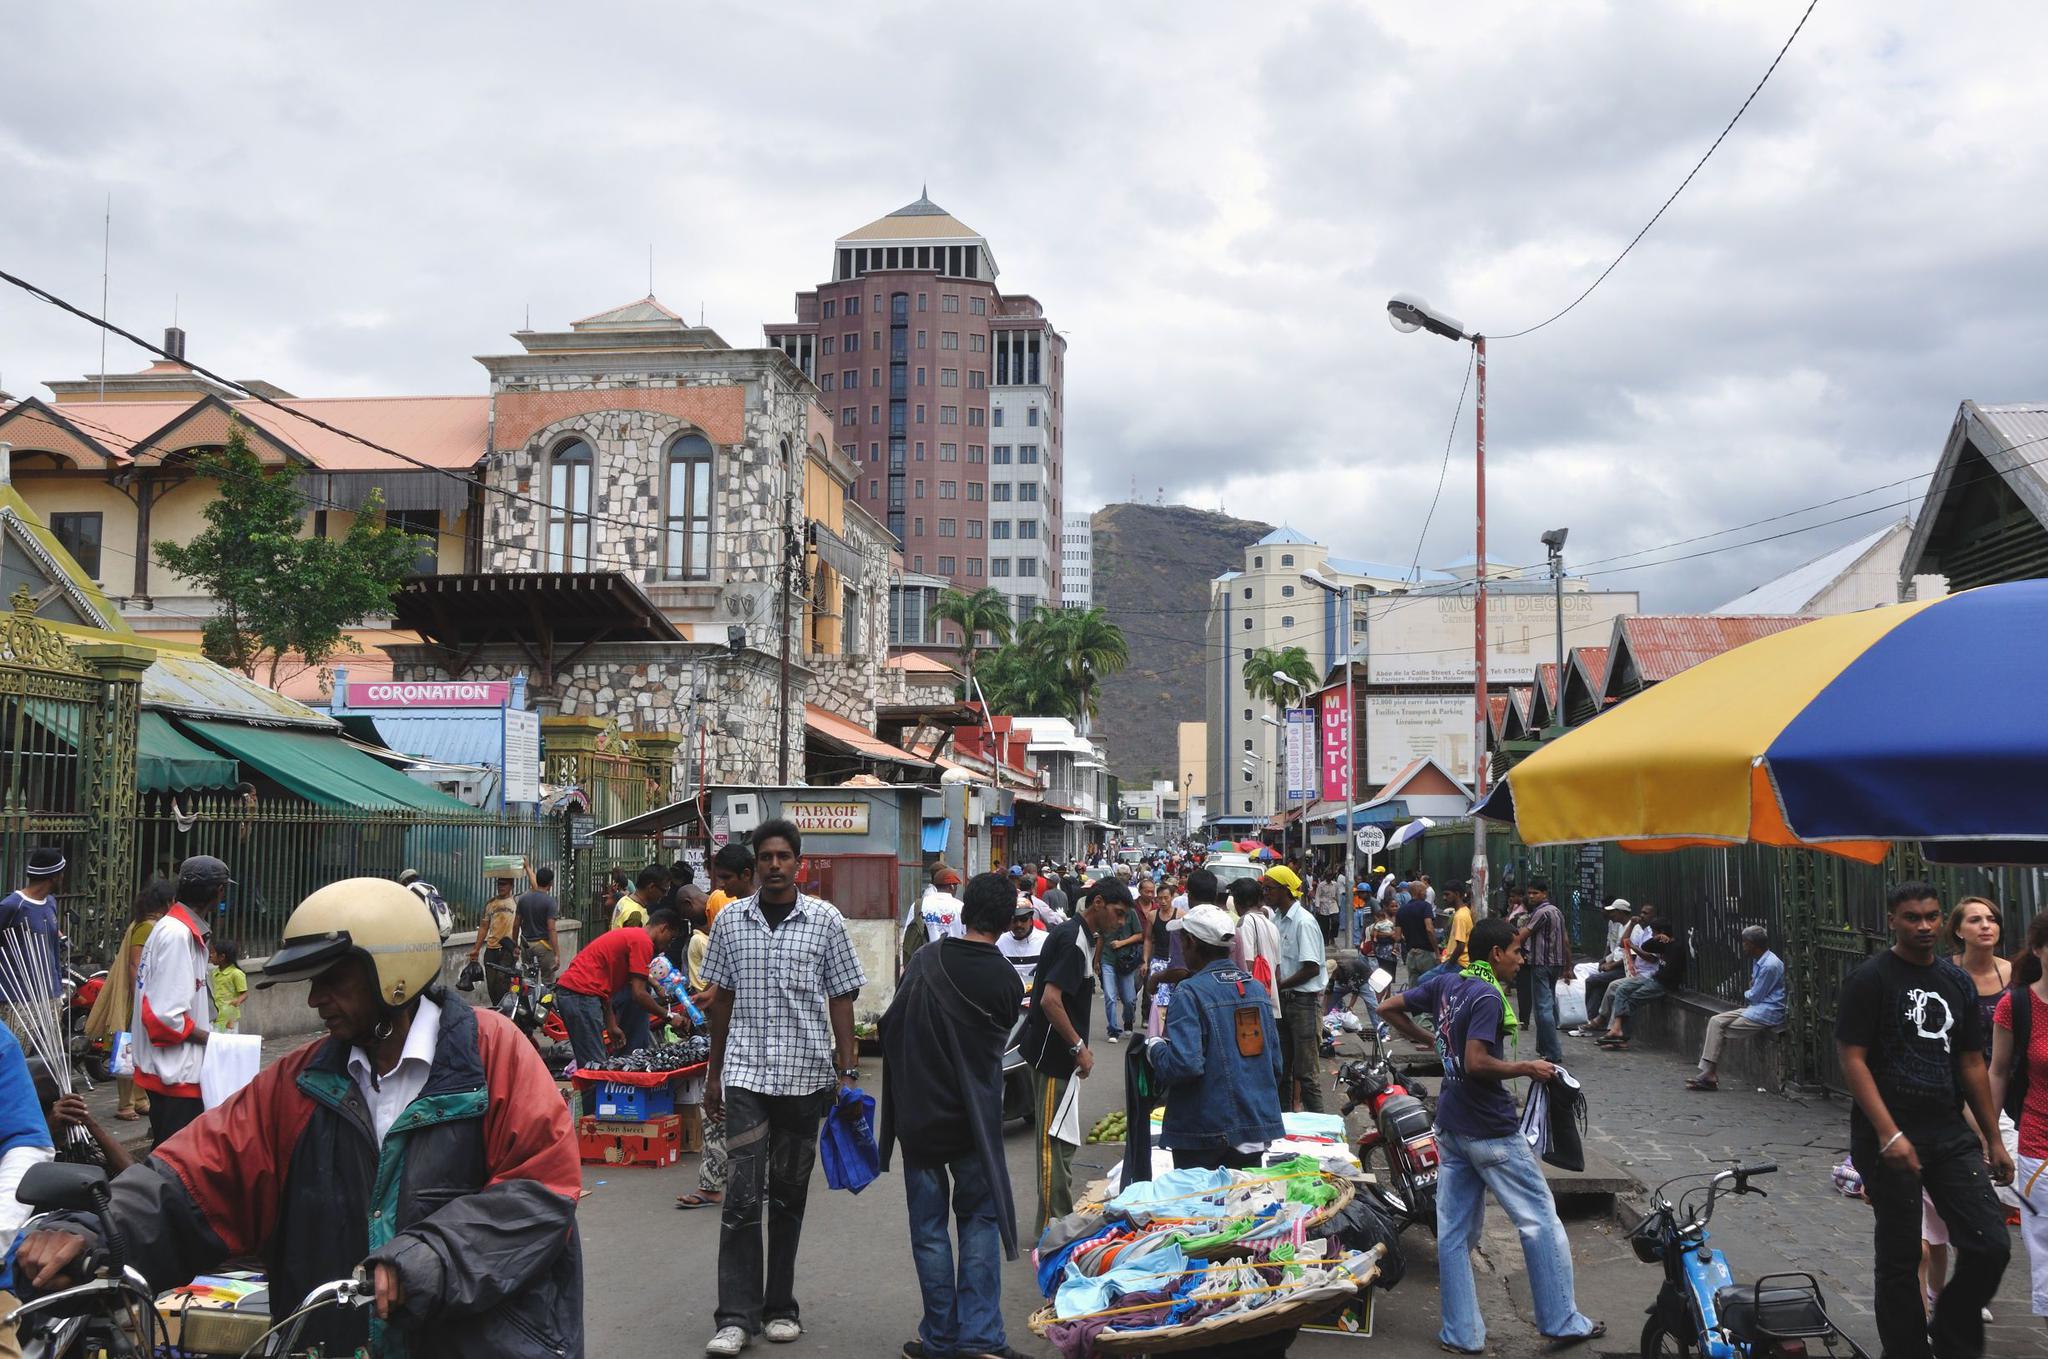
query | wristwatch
(1075,1050)
(852,1073)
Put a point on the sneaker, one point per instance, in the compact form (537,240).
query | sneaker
(913,1349)
(782,1330)
(728,1340)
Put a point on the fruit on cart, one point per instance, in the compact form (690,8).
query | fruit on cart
(1110,1128)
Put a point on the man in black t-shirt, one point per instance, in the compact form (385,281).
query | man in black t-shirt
(538,911)
(1912,1051)
(1055,1038)
(942,1099)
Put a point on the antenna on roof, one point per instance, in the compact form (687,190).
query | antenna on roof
(106,262)
(650,269)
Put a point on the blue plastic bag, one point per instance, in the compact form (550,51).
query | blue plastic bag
(846,1142)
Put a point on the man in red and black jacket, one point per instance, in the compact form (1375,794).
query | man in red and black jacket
(422,1141)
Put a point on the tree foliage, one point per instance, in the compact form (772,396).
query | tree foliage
(1056,664)
(986,610)
(1266,673)
(280,595)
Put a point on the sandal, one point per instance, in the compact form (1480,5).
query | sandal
(1698,1083)
(700,1199)
(127,1115)
(1448,1348)
(1618,1045)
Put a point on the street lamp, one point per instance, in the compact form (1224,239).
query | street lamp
(1553,542)
(1343,593)
(1408,313)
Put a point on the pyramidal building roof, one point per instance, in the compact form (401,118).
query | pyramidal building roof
(922,220)
(637,315)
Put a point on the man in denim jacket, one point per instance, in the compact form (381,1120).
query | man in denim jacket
(1219,1062)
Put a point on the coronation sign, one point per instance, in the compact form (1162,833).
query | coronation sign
(828,818)
(427,694)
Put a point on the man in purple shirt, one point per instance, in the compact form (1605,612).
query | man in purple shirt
(1479,1138)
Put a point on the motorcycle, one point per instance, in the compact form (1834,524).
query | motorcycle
(1701,1310)
(1399,1143)
(113,1315)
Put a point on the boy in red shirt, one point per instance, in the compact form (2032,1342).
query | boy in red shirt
(615,961)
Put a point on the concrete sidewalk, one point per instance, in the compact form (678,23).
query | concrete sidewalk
(1641,1117)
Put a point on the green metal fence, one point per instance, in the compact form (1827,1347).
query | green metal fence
(279,852)
(1825,914)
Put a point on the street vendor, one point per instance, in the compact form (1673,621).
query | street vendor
(614,963)
(1220,1059)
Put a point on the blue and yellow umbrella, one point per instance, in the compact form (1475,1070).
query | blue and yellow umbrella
(1924,721)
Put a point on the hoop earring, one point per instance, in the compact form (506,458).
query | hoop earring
(382,1031)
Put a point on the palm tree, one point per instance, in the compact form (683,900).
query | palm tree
(1267,672)
(1021,681)
(986,610)
(1087,647)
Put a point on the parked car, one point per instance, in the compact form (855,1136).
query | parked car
(1228,868)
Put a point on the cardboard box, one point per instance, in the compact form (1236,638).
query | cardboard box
(572,1097)
(691,1118)
(631,1103)
(608,1142)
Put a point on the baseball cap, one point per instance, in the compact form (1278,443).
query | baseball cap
(203,870)
(1016,870)
(1023,908)
(1210,924)
(1286,877)
(943,875)
(1620,905)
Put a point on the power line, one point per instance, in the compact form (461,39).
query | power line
(1675,192)
(45,295)
(1471,357)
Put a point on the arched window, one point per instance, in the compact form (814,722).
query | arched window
(686,510)
(569,507)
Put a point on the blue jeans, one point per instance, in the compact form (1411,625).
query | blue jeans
(583,1017)
(1119,986)
(634,1022)
(1471,1166)
(1439,970)
(1543,1000)
(963,1312)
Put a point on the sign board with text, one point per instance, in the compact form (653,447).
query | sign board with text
(522,755)
(1371,840)
(1301,754)
(427,694)
(1403,728)
(828,818)
(1427,639)
(1333,736)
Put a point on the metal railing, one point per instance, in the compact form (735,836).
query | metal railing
(279,852)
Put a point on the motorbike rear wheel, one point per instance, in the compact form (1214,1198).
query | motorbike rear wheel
(1410,1206)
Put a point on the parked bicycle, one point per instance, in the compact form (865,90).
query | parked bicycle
(1701,1310)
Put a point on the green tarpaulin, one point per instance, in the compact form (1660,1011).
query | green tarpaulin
(321,768)
(168,762)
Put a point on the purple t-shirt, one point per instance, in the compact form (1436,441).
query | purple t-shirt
(1466,1008)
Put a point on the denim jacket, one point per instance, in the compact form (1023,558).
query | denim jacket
(1216,1096)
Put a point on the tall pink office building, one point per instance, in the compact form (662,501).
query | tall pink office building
(949,395)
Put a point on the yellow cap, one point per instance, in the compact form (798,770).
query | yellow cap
(1286,877)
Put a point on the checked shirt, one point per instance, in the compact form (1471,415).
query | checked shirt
(779,1040)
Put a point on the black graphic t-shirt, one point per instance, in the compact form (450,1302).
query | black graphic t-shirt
(1915,1024)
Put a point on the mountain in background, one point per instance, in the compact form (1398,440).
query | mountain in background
(1153,565)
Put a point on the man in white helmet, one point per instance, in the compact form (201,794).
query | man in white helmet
(422,1139)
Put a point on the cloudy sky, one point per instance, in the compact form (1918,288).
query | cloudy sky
(1212,200)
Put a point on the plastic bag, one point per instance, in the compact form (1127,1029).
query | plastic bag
(1361,1226)
(846,1142)
(472,973)
(1571,1003)
(121,1060)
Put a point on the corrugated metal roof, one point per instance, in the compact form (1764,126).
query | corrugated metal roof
(1593,660)
(2022,423)
(1662,645)
(453,738)
(194,687)
(1797,588)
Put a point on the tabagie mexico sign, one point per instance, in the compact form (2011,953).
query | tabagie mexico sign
(427,694)
(828,818)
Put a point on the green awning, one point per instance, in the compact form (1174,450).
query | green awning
(321,768)
(168,762)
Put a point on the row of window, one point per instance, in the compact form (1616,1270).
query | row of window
(683,518)
(1000,453)
(1000,491)
(848,342)
(953,261)
(948,415)
(999,567)
(848,380)
(1030,417)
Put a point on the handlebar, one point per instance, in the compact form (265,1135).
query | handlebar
(1760,1168)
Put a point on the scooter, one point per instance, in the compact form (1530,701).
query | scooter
(1702,1311)
(1401,1137)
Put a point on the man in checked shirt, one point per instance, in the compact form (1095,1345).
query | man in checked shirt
(782,975)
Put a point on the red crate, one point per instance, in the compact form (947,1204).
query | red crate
(658,1142)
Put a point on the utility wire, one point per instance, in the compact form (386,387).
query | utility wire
(1471,358)
(1515,335)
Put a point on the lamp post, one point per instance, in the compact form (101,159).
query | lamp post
(1408,314)
(1553,541)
